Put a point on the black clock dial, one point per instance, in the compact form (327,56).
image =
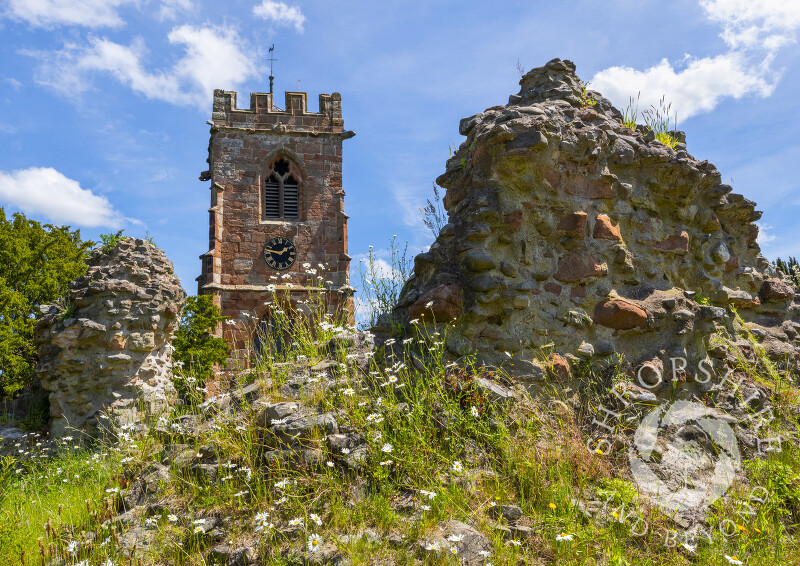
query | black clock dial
(280,253)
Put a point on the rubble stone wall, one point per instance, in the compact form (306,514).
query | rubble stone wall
(107,349)
(573,234)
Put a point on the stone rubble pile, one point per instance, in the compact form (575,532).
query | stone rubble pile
(107,350)
(570,231)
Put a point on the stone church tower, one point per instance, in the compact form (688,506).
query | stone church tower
(277,203)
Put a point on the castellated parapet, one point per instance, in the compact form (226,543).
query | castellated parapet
(274,173)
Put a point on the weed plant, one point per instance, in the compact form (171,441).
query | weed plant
(435,448)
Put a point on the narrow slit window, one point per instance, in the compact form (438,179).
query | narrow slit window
(281,192)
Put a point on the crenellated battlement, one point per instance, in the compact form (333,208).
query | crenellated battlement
(263,111)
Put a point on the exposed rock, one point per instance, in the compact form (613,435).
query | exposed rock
(442,304)
(532,180)
(107,352)
(619,315)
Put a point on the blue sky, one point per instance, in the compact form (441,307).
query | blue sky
(104,102)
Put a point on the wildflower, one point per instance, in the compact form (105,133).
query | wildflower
(72,547)
(515,542)
(425,507)
(733,560)
(453,550)
(314,517)
(387,448)
(552,506)
(329,464)
(690,547)
(389,342)
(386,463)
(345,451)
(564,536)
(297,522)
(392,379)
(241,494)
(599,452)
(199,529)
(262,521)
(281,501)
(314,541)
(474,410)
(172,518)
(455,538)
(485,553)
(429,304)
(429,494)
(457,466)
(199,522)
(349,392)
(432,546)
(414,320)
(150,521)
(113,490)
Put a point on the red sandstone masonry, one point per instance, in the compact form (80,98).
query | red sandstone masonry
(244,145)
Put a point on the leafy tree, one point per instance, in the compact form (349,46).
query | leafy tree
(790,268)
(195,345)
(37,262)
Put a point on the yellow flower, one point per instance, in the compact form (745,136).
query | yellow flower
(552,506)
(598,451)
(615,515)
(756,529)
(741,528)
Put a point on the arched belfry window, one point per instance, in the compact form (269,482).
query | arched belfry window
(281,192)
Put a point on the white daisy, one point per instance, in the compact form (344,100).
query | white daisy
(314,542)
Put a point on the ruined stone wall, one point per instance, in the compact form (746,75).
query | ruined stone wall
(570,233)
(107,349)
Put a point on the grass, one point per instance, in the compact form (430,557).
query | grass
(436,449)
(656,119)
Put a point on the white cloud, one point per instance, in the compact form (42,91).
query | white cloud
(170,9)
(47,192)
(49,13)
(764,234)
(753,32)
(213,58)
(767,24)
(280,13)
(695,89)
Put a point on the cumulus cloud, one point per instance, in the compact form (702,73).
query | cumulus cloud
(753,33)
(50,13)
(169,9)
(212,57)
(281,14)
(47,192)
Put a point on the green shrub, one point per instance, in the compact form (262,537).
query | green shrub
(196,347)
(37,262)
(111,240)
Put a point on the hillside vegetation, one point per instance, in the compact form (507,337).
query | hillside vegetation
(335,451)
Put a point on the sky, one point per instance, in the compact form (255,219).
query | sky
(103,103)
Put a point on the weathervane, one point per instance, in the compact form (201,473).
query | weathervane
(271,60)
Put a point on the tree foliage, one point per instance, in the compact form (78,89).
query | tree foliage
(37,262)
(790,268)
(195,345)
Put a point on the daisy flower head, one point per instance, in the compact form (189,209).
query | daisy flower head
(387,448)
(432,547)
(689,547)
(564,536)
(457,466)
(314,517)
(314,542)
(172,518)
(552,506)
(733,560)
(455,538)
(474,410)
(349,392)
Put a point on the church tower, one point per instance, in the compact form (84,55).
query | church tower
(277,203)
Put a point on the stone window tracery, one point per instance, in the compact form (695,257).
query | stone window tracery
(281,191)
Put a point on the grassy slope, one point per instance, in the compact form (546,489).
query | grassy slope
(529,453)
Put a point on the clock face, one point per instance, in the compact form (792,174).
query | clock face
(280,253)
